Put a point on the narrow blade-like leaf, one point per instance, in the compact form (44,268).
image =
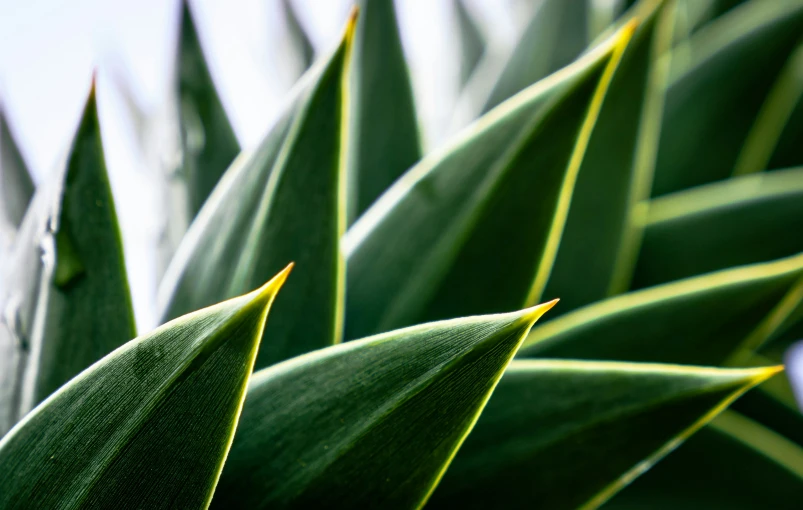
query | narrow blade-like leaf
(734,464)
(616,171)
(148,426)
(566,434)
(441,242)
(700,321)
(713,101)
(283,201)
(384,138)
(368,424)
(208,140)
(66,301)
(722,225)
(471,41)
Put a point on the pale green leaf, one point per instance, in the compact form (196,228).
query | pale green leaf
(65,298)
(16,184)
(148,426)
(368,424)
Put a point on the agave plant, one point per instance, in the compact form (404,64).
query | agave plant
(635,161)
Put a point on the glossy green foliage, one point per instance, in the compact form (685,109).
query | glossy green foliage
(555,36)
(597,240)
(149,426)
(281,202)
(66,280)
(566,434)
(706,123)
(368,424)
(721,225)
(380,149)
(734,464)
(208,140)
(16,185)
(702,321)
(429,249)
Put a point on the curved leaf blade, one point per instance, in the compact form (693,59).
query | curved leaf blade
(282,201)
(384,138)
(734,463)
(740,221)
(700,321)
(430,247)
(207,137)
(66,300)
(118,434)
(564,434)
(370,423)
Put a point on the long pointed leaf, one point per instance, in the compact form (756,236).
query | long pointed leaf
(15,180)
(148,426)
(66,302)
(441,243)
(384,139)
(368,424)
(566,434)
(283,201)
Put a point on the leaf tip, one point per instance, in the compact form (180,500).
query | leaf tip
(268,291)
(761,374)
(532,314)
(351,23)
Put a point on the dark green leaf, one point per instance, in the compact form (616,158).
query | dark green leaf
(384,138)
(440,243)
(721,225)
(702,321)
(368,424)
(281,202)
(208,140)
(15,180)
(567,434)
(598,241)
(149,426)
(715,97)
(66,301)
(732,464)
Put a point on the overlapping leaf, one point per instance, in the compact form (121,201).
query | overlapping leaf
(440,243)
(368,424)
(283,201)
(599,241)
(66,301)
(734,464)
(208,140)
(297,38)
(703,320)
(565,434)
(472,42)
(721,225)
(714,100)
(384,138)
(149,426)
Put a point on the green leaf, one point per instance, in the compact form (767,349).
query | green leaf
(701,321)
(66,302)
(368,424)
(281,202)
(706,122)
(721,225)
(16,184)
(208,140)
(472,42)
(772,125)
(734,464)
(440,243)
(598,242)
(567,434)
(553,38)
(149,426)
(384,128)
